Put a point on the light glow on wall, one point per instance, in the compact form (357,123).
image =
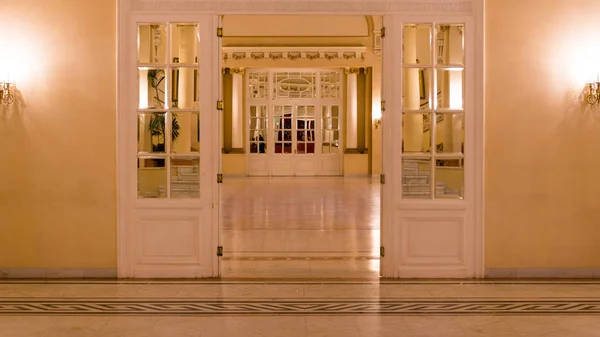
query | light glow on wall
(376,111)
(19,59)
(376,106)
(579,56)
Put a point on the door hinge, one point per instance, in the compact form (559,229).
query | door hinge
(382,178)
(382,106)
(220,105)
(220,178)
(382,31)
(220,32)
(381,251)
(220,251)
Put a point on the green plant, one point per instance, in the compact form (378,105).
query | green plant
(155,79)
(157,127)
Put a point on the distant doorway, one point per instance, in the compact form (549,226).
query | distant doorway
(294,122)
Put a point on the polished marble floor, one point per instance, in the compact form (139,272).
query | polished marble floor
(300,261)
(300,227)
(293,308)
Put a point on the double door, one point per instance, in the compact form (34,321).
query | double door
(294,123)
(294,140)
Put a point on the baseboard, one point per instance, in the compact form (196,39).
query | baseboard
(58,273)
(516,273)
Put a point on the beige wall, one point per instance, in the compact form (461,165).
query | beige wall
(57,178)
(542,145)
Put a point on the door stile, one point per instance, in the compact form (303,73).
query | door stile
(218,160)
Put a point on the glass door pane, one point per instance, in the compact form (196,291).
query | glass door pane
(433,82)
(283,131)
(330,129)
(305,129)
(168,114)
(258,129)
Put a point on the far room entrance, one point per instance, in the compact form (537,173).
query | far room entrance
(294,129)
(301,153)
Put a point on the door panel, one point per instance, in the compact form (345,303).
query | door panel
(259,139)
(283,129)
(305,129)
(157,228)
(427,212)
(173,227)
(330,163)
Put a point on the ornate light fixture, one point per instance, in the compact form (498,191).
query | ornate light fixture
(6,92)
(593,93)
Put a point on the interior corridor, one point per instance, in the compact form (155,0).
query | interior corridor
(300,227)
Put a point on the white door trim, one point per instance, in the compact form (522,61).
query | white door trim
(169,8)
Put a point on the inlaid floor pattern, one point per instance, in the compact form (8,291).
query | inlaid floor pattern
(299,309)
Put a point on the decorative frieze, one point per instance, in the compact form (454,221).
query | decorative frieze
(456,7)
(356,70)
(291,53)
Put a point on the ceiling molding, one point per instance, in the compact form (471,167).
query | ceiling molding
(455,7)
(293,53)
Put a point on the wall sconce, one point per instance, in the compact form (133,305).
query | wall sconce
(6,95)
(593,94)
(377,123)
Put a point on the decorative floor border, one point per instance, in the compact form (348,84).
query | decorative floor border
(173,307)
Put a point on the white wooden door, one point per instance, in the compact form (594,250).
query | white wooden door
(172,122)
(294,122)
(304,139)
(429,196)
(294,140)
(330,147)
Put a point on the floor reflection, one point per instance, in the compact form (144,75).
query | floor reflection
(300,227)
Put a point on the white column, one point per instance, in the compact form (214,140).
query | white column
(352,109)
(237,125)
(413,123)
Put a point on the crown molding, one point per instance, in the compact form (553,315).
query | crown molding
(454,7)
(294,53)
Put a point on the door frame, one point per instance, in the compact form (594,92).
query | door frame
(127,9)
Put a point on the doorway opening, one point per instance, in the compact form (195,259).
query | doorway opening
(301,147)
